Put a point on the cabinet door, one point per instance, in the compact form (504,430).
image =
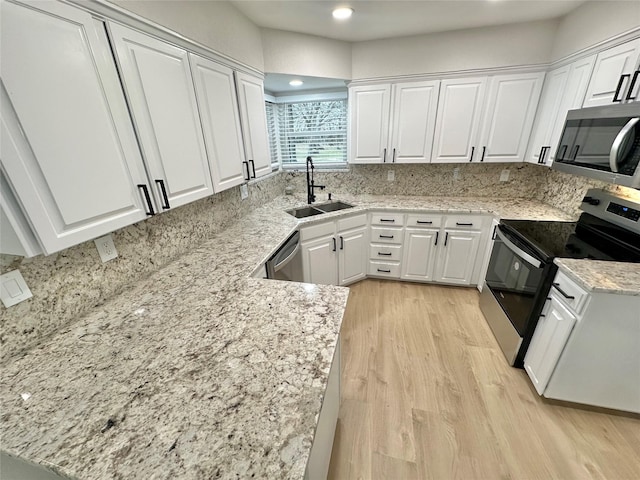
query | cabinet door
(218,106)
(68,146)
(547,343)
(319,260)
(552,94)
(457,123)
(254,123)
(369,116)
(419,254)
(157,80)
(511,108)
(609,66)
(413,120)
(353,261)
(458,257)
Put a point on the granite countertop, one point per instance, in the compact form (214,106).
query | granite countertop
(198,371)
(603,276)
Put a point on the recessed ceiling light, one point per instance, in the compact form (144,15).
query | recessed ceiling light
(342,13)
(296,83)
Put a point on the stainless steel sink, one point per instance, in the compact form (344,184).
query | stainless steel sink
(304,212)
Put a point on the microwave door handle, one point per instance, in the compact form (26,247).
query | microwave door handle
(518,251)
(617,143)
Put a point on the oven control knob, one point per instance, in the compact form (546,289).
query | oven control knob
(591,201)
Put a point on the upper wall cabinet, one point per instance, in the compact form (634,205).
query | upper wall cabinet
(614,73)
(158,84)
(68,146)
(254,124)
(393,123)
(564,90)
(218,106)
(458,120)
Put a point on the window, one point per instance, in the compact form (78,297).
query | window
(272,129)
(315,128)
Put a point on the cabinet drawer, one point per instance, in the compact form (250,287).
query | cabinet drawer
(318,230)
(386,235)
(389,219)
(464,222)
(384,269)
(352,222)
(571,294)
(385,252)
(427,220)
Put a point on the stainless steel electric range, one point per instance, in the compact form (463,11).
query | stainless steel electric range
(521,268)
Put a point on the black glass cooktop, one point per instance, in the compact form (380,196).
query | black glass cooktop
(590,237)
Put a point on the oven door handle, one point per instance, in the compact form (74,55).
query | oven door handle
(617,143)
(518,251)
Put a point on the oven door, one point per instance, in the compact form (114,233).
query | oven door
(515,276)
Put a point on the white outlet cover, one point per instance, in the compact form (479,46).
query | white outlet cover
(504,175)
(106,248)
(244,191)
(391,176)
(13,288)
(456,173)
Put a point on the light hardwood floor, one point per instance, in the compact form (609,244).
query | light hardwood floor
(427,394)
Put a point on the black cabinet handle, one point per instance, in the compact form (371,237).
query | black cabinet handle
(420,222)
(391,220)
(543,153)
(384,156)
(253,167)
(446,238)
(564,151)
(557,287)
(493,236)
(632,85)
(244,162)
(575,154)
(383,254)
(394,156)
(619,87)
(484,150)
(473,149)
(147,197)
(166,205)
(341,243)
(460,224)
(437,235)
(386,236)
(334,244)
(384,271)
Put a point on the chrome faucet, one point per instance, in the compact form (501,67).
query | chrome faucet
(311,186)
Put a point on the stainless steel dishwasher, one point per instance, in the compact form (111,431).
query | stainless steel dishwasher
(286,263)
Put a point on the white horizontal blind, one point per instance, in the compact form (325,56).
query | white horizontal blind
(312,128)
(272,130)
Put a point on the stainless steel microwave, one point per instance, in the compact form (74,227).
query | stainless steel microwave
(602,143)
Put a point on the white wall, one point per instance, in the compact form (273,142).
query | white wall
(504,45)
(300,54)
(218,25)
(593,22)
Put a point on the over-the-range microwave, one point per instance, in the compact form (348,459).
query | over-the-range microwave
(602,143)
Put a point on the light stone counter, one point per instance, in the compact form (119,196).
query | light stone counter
(198,371)
(602,276)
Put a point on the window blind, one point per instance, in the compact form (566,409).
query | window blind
(272,129)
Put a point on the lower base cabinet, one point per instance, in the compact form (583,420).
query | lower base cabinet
(419,259)
(458,259)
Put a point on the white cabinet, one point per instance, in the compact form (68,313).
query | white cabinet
(548,341)
(511,108)
(420,246)
(352,255)
(218,106)
(393,123)
(458,258)
(613,72)
(253,117)
(68,146)
(319,260)
(458,119)
(158,84)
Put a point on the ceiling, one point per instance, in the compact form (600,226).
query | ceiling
(376,19)
(277,83)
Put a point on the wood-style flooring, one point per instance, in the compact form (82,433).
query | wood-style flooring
(426,393)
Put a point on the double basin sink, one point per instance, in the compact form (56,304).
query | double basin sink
(312,210)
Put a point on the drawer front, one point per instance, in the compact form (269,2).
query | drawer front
(352,222)
(388,219)
(426,220)
(386,235)
(384,269)
(385,252)
(464,222)
(318,230)
(569,292)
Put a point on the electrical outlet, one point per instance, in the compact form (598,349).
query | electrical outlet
(391,176)
(504,175)
(456,173)
(13,288)
(106,248)
(244,191)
